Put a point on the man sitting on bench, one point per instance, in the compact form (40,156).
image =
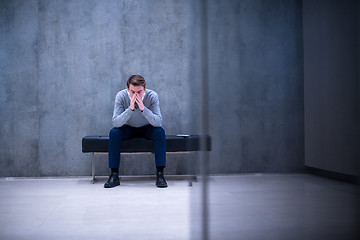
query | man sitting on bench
(136,114)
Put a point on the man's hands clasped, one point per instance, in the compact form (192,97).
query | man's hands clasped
(136,99)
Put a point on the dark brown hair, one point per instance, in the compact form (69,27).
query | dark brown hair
(136,80)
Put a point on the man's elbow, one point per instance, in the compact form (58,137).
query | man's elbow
(116,124)
(157,123)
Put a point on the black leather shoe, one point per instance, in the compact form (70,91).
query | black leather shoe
(113,181)
(160,180)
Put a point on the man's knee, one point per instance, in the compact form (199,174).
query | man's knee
(115,132)
(159,132)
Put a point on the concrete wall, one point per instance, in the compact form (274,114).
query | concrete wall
(256,72)
(62,62)
(331,57)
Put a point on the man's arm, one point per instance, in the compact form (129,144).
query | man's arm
(122,113)
(152,114)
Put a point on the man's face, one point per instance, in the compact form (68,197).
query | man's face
(140,90)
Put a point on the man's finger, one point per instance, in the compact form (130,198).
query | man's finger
(133,99)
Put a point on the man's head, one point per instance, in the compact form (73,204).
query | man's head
(136,84)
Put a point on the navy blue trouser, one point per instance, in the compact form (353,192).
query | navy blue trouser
(157,134)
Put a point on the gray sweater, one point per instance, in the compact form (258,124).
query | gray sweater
(123,114)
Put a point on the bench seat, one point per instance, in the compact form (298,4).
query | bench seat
(174,143)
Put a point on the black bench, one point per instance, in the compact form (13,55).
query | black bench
(174,143)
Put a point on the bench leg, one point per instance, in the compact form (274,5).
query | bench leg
(93,170)
(192,179)
(190,183)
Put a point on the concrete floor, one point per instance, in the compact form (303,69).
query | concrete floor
(253,206)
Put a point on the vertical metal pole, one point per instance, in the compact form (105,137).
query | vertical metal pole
(93,169)
(204,155)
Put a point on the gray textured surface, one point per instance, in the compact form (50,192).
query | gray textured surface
(62,62)
(256,70)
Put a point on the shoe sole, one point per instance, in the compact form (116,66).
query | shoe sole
(162,186)
(116,184)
